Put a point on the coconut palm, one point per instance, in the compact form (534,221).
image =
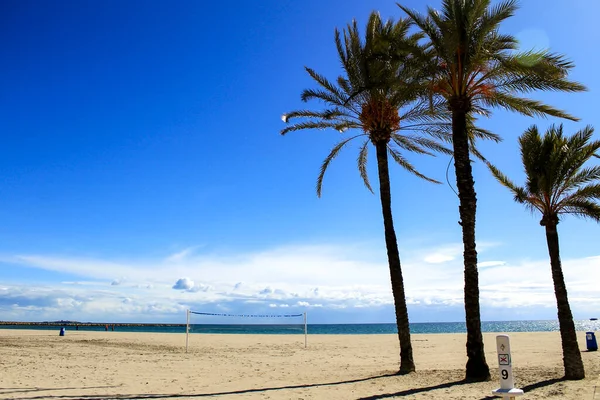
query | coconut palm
(557,184)
(367,101)
(474,68)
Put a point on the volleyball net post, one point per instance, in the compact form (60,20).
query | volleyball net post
(187,330)
(190,312)
(305,331)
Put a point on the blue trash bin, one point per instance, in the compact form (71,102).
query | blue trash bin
(62,332)
(590,341)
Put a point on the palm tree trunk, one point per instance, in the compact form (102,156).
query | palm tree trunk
(571,354)
(477,368)
(407,363)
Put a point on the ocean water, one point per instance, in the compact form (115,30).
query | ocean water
(329,329)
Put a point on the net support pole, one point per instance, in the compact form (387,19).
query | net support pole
(187,329)
(305,331)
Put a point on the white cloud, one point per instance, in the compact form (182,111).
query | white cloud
(489,264)
(438,258)
(335,278)
(199,287)
(443,254)
(183,284)
(181,255)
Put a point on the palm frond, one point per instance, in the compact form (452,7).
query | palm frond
(327,114)
(362,164)
(480,133)
(520,194)
(580,177)
(525,106)
(588,192)
(473,149)
(418,144)
(334,152)
(326,97)
(339,126)
(404,163)
(583,209)
(326,84)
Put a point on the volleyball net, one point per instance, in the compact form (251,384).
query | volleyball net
(206,322)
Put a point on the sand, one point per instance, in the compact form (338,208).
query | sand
(118,365)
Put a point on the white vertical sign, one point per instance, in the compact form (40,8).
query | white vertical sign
(507,381)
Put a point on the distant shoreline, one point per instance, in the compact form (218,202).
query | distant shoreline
(75,323)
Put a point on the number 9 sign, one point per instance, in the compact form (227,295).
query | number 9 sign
(507,382)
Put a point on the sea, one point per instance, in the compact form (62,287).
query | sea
(325,329)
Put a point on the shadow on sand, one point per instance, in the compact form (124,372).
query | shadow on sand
(406,392)
(181,395)
(4,391)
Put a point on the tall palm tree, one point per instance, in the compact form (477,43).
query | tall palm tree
(558,184)
(368,99)
(474,68)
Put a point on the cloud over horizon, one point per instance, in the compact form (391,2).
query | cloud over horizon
(340,282)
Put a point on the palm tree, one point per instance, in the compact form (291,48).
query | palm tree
(367,99)
(558,184)
(473,68)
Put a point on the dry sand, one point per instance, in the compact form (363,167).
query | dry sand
(118,365)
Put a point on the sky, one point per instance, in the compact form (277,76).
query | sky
(143,173)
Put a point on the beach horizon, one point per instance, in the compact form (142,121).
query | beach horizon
(254,327)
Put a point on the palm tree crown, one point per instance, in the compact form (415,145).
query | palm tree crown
(476,66)
(368,97)
(557,181)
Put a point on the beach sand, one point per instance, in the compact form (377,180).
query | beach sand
(118,365)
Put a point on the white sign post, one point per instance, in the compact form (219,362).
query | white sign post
(507,381)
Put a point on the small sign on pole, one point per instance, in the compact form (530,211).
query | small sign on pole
(507,380)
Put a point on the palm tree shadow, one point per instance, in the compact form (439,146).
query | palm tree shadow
(4,391)
(214,394)
(416,390)
(447,385)
(407,392)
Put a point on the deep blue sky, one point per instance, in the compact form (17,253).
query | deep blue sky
(145,134)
